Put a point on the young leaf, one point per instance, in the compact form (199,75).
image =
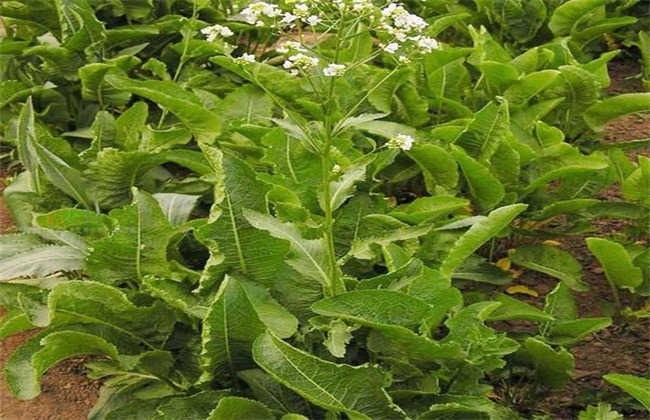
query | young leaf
(552,368)
(601,412)
(204,124)
(229,330)
(356,391)
(137,245)
(343,188)
(553,261)
(598,115)
(616,262)
(637,387)
(478,234)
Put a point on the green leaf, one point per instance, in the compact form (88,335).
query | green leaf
(425,209)
(637,387)
(272,394)
(129,125)
(204,124)
(393,314)
(309,255)
(528,86)
(616,262)
(553,261)
(12,244)
(229,330)
(601,412)
(478,234)
(41,261)
(114,173)
(484,188)
(137,245)
(598,115)
(436,163)
(356,391)
(567,16)
(343,188)
(635,186)
(465,407)
(394,93)
(233,243)
(194,407)
(94,88)
(552,368)
(515,309)
(560,303)
(26,366)
(248,104)
(177,207)
(238,408)
(566,333)
(485,132)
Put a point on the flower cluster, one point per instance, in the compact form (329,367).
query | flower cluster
(333,70)
(216,31)
(300,62)
(401,141)
(270,15)
(406,29)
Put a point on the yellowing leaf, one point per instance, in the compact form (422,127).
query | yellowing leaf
(504,264)
(551,242)
(524,290)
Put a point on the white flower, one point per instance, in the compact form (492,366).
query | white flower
(301,10)
(391,48)
(215,31)
(362,5)
(245,59)
(287,46)
(255,13)
(313,20)
(404,59)
(426,44)
(333,70)
(288,18)
(301,62)
(401,141)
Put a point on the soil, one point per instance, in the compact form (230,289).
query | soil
(624,347)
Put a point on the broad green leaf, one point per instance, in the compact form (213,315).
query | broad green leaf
(229,330)
(80,27)
(599,28)
(136,247)
(238,408)
(248,104)
(465,407)
(356,391)
(130,124)
(177,207)
(393,314)
(275,316)
(83,222)
(114,173)
(566,17)
(27,365)
(528,86)
(271,393)
(635,186)
(551,260)
(393,92)
(233,243)
(194,407)
(26,140)
(175,294)
(366,246)
(497,76)
(515,309)
(559,303)
(479,269)
(425,209)
(484,188)
(637,387)
(204,124)
(597,116)
(553,369)
(602,411)
(567,333)
(436,163)
(41,261)
(485,132)
(94,88)
(616,262)
(478,234)
(310,255)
